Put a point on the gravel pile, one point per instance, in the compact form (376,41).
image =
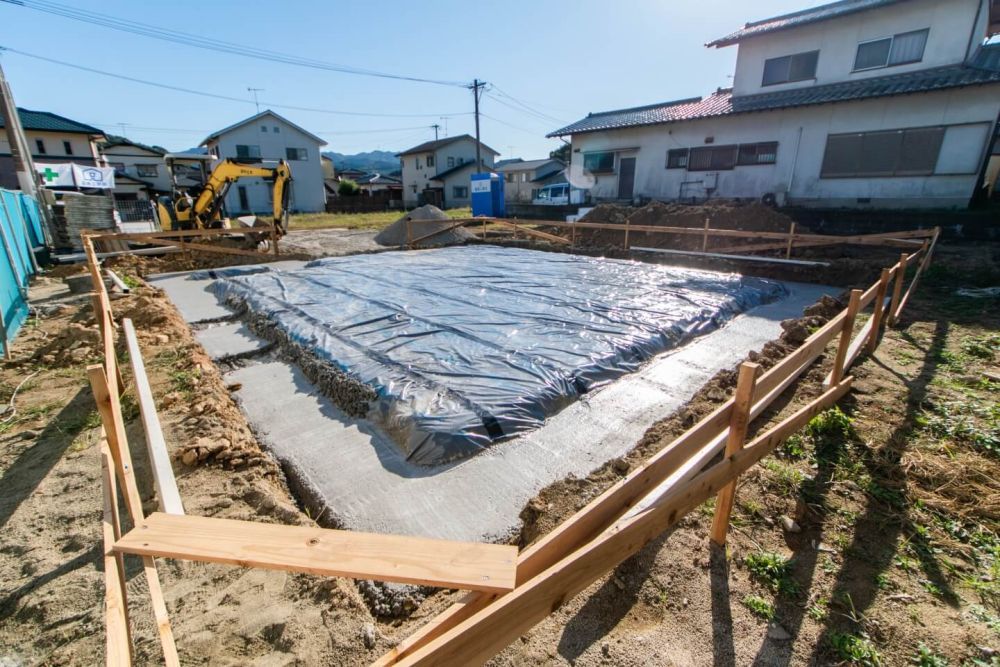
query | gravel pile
(424,220)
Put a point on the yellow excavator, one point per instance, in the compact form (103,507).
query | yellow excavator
(197,199)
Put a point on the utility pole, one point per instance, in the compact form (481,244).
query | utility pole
(436,128)
(254,91)
(20,153)
(476,85)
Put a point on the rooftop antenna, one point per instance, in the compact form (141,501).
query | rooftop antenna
(445,119)
(254,91)
(123,126)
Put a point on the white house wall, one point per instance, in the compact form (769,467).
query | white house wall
(977,104)
(416,180)
(307,193)
(131,157)
(950,23)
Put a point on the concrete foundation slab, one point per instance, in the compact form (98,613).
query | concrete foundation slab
(227,340)
(361,480)
(364,483)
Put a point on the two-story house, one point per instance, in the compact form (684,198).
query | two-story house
(268,137)
(523,178)
(140,171)
(881,103)
(52,139)
(439,172)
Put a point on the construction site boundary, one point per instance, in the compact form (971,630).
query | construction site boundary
(510,592)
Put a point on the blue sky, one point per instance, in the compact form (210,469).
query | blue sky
(561,59)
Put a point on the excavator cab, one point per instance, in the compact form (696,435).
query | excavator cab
(198,192)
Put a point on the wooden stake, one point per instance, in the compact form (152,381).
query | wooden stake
(114,428)
(274,237)
(879,311)
(739,421)
(839,362)
(626,234)
(409,233)
(118,644)
(897,289)
(791,240)
(6,344)
(704,237)
(572,232)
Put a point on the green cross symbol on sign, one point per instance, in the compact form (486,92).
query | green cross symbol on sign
(50,175)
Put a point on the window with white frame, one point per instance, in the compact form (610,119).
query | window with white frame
(786,69)
(765,152)
(146,170)
(712,158)
(247,150)
(430,160)
(901,49)
(451,162)
(296,153)
(599,162)
(907,152)
(677,158)
(460,192)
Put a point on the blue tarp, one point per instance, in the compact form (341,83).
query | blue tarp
(468,345)
(20,220)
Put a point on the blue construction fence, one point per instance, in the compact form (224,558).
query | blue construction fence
(21,226)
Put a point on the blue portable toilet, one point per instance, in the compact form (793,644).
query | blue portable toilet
(487,195)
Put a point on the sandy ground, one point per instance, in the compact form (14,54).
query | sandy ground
(329,242)
(898,516)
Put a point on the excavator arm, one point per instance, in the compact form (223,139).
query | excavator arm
(205,210)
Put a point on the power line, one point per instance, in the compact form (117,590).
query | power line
(211,44)
(217,96)
(510,125)
(526,106)
(531,115)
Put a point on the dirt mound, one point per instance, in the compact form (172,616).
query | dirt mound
(422,221)
(753,217)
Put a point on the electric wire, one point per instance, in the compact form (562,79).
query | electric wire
(217,96)
(212,44)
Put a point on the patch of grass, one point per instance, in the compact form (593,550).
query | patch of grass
(786,479)
(371,220)
(974,423)
(759,607)
(985,616)
(772,570)
(819,609)
(925,657)
(793,448)
(981,347)
(856,650)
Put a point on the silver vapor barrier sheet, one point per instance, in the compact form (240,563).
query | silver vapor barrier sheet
(453,349)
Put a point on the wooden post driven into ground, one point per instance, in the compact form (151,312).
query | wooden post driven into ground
(704,237)
(879,311)
(897,289)
(791,241)
(738,423)
(837,374)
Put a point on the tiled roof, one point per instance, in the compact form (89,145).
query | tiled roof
(47,121)
(267,112)
(723,103)
(431,146)
(800,18)
(524,165)
(465,165)
(114,140)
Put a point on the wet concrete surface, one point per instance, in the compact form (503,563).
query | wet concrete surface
(361,480)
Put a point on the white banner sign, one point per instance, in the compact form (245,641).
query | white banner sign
(55,175)
(481,185)
(94,177)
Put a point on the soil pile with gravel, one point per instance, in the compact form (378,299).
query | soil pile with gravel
(423,221)
(753,217)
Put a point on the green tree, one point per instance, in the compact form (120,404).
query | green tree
(561,153)
(348,188)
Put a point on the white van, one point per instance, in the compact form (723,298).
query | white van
(557,194)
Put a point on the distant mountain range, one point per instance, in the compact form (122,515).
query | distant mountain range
(380,161)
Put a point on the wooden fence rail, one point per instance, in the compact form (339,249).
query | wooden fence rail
(547,573)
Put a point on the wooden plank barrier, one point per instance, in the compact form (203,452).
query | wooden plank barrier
(156,446)
(738,423)
(481,636)
(322,551)
(118,643)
